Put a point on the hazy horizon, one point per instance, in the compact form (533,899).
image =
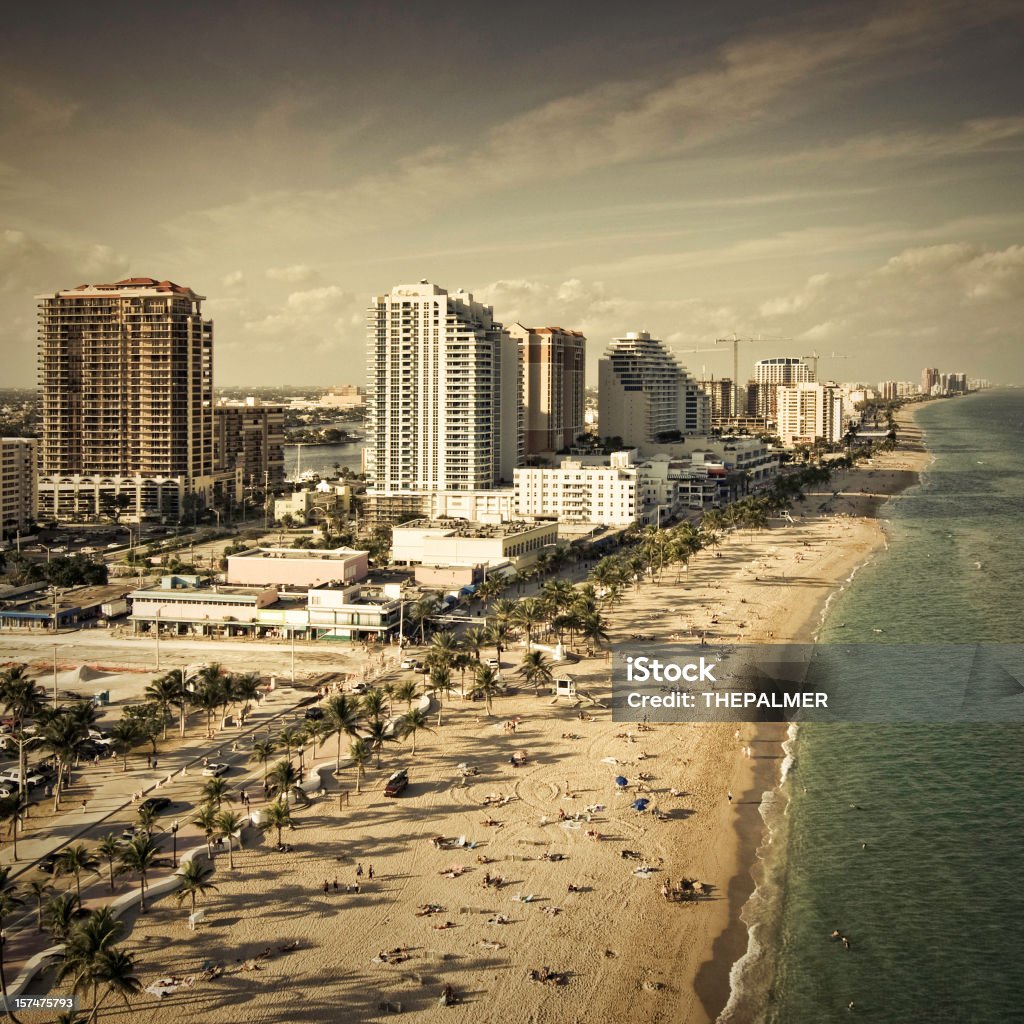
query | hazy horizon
(843,178)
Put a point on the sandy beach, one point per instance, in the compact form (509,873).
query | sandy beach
(624,950)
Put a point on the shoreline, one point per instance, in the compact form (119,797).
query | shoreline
(728,961)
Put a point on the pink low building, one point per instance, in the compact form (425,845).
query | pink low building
(297,567)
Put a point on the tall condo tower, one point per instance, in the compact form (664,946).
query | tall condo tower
(444,396)
(644,392)
(554,368)
(126,388)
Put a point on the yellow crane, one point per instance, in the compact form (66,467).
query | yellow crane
(735,341)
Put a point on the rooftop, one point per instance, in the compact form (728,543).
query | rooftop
(468,528)
(301,554)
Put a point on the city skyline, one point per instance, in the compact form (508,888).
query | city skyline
(843,180)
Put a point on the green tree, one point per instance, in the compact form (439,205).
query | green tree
(206,821)
(73,860)
(536,670)
(277,815)
(40,890)
(284,777)
(10,900)
(361,756)
(342,715)
(195,882)
(262,752)
(109,849)
(228,825)
(411,722)
(138,856)
(486,686)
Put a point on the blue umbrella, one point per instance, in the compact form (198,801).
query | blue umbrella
(621,780)
(641,804)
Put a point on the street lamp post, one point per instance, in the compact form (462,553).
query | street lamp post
(158,610)
(293,654)
(174,844)
(55,677)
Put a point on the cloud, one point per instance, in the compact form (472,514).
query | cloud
(233,280)
(298,273)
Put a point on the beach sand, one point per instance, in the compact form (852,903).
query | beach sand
(626,953)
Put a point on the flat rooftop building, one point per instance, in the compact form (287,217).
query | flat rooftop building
(297,567)
(455,542)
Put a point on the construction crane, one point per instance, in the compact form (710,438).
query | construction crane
(735,342)
(815,356)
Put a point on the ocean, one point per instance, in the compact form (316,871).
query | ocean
(322,458)
(933,905)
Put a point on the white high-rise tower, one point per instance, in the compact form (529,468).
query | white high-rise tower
(444,405)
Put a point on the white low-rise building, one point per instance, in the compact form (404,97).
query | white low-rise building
(453,542)
(578,492)
(297,567)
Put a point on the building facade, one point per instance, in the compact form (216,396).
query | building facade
(775,373)
(808,412)
(554,370)
(644,393)
(576,492)
(461,543)
(249,437)
(126,388)
(297,567)
(444,402)
(17,484)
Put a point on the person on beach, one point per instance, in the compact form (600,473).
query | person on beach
(359,871)
(729,796)
(327,887)
(369,872)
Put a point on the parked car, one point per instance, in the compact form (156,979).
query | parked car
(13,775)
(396,783)
(314,714)
(216,768)
(360,688)
(47,864)
(156,804)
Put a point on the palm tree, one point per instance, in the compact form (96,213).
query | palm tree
(74,860)
(487,685)
(422,611)
(536,670)
(443,648)
(146,817)
(87,942)
(115,969)
(194,882)
(593,629)
(166,692)
(138,855)
(228,824)
(499,633)
(247,689)
(440,683)
(63,737)
(263,751)
(39,890)
(59,914)
(20,700)
(291,737)
(360,754)
(206,697)
(284,778)
(407,691)
(9,902)
(11,808)
(341,714)
(411,722)
(372,704)
(215,791)
(110,848)
(378,733)
(206,819)
(528,614)
(475,639)
(125,735)
(276,815)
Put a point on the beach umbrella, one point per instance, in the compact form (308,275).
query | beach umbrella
(621,781)
(641,804)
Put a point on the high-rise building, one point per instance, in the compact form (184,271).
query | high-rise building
(248,438)
(645,394)
(17,484)
(771,374)
(444,401)
(809,411)
(721,395)
(929,378)
(554,370)
(126,384)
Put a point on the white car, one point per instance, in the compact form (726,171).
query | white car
(12,776)
(216,768)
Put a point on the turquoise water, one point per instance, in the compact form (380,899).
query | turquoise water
(934,906)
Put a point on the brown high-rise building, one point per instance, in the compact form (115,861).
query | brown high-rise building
(554,370)
(248,437)
(126,387)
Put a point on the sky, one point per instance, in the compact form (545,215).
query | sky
(842,179)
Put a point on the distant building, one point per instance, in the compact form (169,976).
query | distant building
(721,396)
(772,374)
(297,567)
(249,437)
(126,388)
(344,396)
(315,504)
(808,412)
(575,491)
(929,378)
(554,365)
(449,542)
(644,393)
(17,484)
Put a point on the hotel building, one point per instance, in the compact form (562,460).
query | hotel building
(126,386)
